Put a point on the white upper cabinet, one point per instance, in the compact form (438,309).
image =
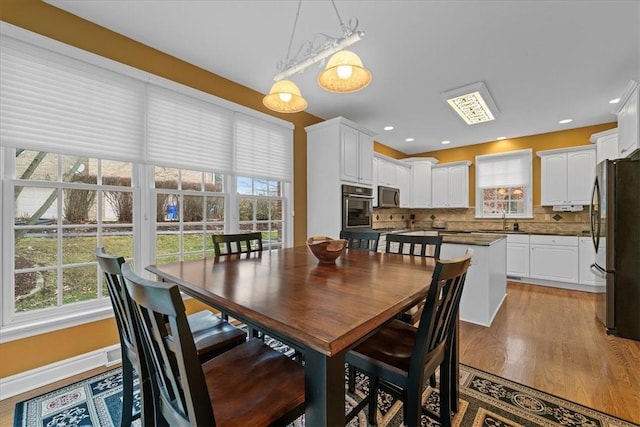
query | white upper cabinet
(338,152)
(450,185)
(356,160)
(606,144)
(421,181)
(628,120)
(386,172)
(567,175)
(393,173)
(403,178)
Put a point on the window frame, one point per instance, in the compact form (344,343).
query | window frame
(267,245)
(528,186)
(144,210)
(17,325)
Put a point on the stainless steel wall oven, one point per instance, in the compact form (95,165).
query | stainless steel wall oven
(357,204)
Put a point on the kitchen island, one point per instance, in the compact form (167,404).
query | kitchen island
(486,285)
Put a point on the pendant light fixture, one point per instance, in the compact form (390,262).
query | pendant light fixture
(285,97)
(344,72)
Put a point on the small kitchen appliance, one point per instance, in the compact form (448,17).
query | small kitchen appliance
(388,197)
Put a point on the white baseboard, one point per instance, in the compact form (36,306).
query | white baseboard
(29,380)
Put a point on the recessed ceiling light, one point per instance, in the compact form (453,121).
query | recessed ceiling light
(409,139)
(565,121)
(388,128)
(500,138)
(472,102)
(446,142)
(614,101)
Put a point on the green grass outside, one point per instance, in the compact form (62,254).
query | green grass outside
(80,283)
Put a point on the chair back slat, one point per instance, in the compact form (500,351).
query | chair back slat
(361,240)
(174,363)
(131,342)
(111,266)
(440,309)
(227,244)
(425,246)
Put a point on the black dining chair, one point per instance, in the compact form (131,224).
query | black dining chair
(239,243)
(212,336)
(361,240)
(425,246)
(251,384)
(404,355)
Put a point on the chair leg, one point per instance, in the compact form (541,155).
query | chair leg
(127,391)
(352,378)
(413,409)
(445,392)
(373,400)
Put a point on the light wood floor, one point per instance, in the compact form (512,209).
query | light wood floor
(549,339)
(542,337)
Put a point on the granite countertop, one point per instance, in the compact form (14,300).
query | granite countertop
(445,232)
(473,239)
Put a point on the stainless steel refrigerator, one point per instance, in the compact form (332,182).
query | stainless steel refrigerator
(615,230)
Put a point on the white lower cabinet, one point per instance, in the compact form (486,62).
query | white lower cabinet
(517,255)
(588,257)
(554,258)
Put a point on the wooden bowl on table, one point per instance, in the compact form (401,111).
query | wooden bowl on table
(326,249)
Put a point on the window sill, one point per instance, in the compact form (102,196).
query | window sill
(44,325)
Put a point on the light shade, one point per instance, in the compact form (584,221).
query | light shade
(285,97)
(344,73)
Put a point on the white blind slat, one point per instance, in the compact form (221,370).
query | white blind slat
(186,132)
(54,103)
(504,170)
(263,149)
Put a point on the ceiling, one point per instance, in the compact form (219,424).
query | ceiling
(542,61)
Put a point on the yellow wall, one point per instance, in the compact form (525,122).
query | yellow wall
(540,142)
(22,355)
(34,15)
(388,151)
(18,356)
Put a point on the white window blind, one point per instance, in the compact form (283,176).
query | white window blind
(512,169)
(187,132)
(263,150)
(54,103)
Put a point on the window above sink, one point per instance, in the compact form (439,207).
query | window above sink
(503,185)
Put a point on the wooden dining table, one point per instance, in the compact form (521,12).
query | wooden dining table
(322,310)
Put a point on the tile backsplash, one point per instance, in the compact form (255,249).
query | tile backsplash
(545,219)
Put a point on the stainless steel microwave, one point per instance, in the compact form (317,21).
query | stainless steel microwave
(388,197)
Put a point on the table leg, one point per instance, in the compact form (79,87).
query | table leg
(324,389)
(455,369)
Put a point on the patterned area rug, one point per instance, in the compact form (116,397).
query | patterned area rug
(485,400)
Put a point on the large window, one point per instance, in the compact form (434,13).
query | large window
(503,185)
(94,153)
(64,207)
(189,208)
(260,208)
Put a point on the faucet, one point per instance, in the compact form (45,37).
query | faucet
(504,220)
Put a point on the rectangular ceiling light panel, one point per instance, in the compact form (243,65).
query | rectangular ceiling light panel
(472,102)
